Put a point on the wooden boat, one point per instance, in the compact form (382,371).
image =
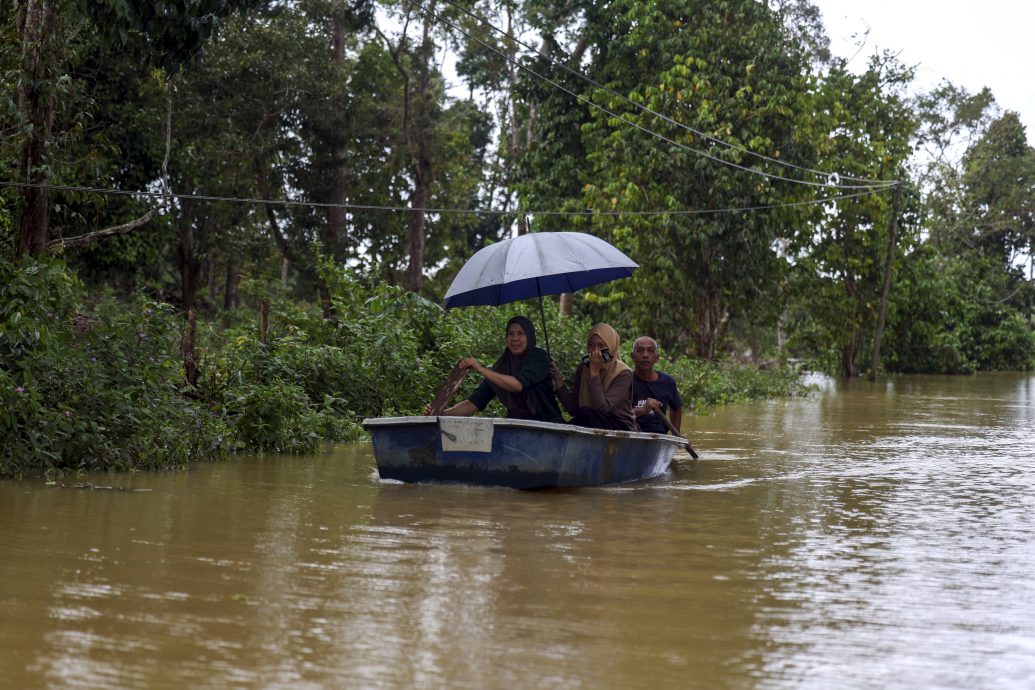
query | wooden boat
(515,453)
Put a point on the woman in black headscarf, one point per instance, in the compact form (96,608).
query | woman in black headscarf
(520,378)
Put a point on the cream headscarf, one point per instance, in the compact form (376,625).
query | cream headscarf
(611,369)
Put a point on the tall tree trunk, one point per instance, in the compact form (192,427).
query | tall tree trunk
(848,359)
(419,139)
(849,349)
(211,275)
(35,25)
(708,321)
(708,308)
(516,145)
(189,263)
(417,227)
(187,349)
(233,278)
(1031,282)
(781,331)
(566,304)
(336,215)
(886,287)
(784,318)
(262,180)
(326,304)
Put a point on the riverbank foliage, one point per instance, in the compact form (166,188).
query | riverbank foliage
(89,382)
(163,172)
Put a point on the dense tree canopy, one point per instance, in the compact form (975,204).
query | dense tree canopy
(227,225)
(752,174)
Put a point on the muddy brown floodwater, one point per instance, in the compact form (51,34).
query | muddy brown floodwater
(870,536)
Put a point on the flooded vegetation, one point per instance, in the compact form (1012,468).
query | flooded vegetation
(870,535)
(229,229)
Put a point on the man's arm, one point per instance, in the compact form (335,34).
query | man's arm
(649,405)
(675,405)
(675,415)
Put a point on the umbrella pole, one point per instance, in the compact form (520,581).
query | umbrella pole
(542,315)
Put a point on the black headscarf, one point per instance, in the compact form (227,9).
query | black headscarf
(519,404)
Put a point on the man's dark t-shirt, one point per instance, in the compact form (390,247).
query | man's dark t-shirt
(665,390)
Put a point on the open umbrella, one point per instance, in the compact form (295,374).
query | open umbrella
(536,264)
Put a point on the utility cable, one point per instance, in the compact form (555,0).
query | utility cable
(703,135)
(643,129)
(408,209)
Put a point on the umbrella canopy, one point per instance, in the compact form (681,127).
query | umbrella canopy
(537,264)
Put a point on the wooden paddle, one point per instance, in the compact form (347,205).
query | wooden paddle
(672,428)
(448,390)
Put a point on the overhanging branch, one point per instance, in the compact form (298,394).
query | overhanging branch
(90,237)
(115,230)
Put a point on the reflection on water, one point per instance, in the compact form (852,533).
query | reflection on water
(874,535)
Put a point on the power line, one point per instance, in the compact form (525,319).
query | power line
(408,209)
(703,135)
(865,190)
(643,129)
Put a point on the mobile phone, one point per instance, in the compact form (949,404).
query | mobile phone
(605,354)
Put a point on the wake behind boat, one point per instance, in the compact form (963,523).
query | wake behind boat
(515,453)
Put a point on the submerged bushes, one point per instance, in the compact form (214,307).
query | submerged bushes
(947,321)
(91,389)
(88,383)
(707,385)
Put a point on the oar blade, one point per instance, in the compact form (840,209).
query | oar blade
(447,390)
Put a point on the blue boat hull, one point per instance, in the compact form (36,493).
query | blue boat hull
(514,453)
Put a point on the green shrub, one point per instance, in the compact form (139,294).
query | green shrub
(274,417)
(90,389)
(708,385)
(946,318)
(98,385)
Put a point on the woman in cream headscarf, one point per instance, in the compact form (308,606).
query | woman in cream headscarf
(601,396)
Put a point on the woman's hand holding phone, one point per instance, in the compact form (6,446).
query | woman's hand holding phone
(595,360)
(605,356)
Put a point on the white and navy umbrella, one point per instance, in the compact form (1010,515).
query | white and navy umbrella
(536,264)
